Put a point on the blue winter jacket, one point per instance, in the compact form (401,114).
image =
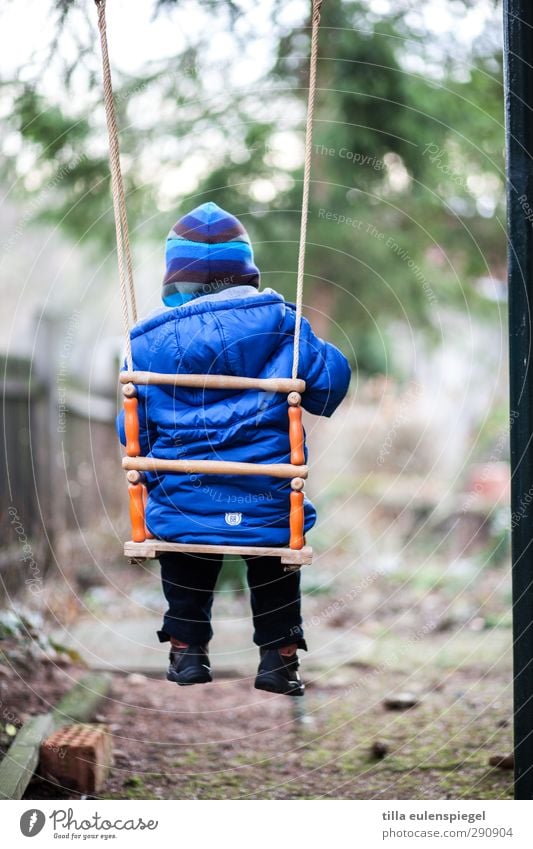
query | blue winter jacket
(250,336)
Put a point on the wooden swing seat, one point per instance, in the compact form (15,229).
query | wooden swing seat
(152,548)
(213,381)
(145,547)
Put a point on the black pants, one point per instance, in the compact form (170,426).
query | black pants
(189,582)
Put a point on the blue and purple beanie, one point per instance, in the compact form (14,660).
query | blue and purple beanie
(207,250)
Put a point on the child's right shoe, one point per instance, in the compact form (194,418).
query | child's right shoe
(189,665)
(278,673)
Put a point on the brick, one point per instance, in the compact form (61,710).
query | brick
(78,757)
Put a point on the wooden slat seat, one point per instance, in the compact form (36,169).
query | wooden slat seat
(214,381)
(214,467)
(151,548)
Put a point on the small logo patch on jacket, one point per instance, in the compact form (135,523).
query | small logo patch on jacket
(233,518)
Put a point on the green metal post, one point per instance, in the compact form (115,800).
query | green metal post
(518,52)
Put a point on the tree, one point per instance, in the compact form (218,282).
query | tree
(407,189)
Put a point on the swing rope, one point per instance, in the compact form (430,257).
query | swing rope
(317,5)
(125,264)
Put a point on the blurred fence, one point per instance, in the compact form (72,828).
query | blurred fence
(23,476)
(60,464)
(94,486)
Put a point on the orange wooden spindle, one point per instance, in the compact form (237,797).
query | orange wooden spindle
(131,427)
(138,533)
(296,520)
(296,436)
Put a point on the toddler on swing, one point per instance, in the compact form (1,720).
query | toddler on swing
(216,321)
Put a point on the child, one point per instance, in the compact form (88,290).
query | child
(217,322)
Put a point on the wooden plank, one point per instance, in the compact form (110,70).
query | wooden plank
(21,759)
(81,702)
(151,548)
(214,381)
(214,467)
(78,705)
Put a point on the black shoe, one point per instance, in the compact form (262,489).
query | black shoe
(189,666)
(279,674)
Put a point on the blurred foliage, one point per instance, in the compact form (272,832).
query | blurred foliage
(498,550)
(408,145)
(25,638)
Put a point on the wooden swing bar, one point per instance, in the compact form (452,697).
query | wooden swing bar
(213,381)
(214,467)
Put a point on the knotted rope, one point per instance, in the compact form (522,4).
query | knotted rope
(316,7)
(125,264)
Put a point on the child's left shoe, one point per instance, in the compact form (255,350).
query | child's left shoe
(189,665)
(278,673)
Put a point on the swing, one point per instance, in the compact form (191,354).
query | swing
(143,545)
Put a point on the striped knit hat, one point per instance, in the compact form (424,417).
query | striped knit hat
(207,250)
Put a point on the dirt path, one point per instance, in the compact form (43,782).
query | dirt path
(368,639)
(226,740)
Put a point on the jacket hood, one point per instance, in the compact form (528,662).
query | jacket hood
(237,336)
(207,250)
